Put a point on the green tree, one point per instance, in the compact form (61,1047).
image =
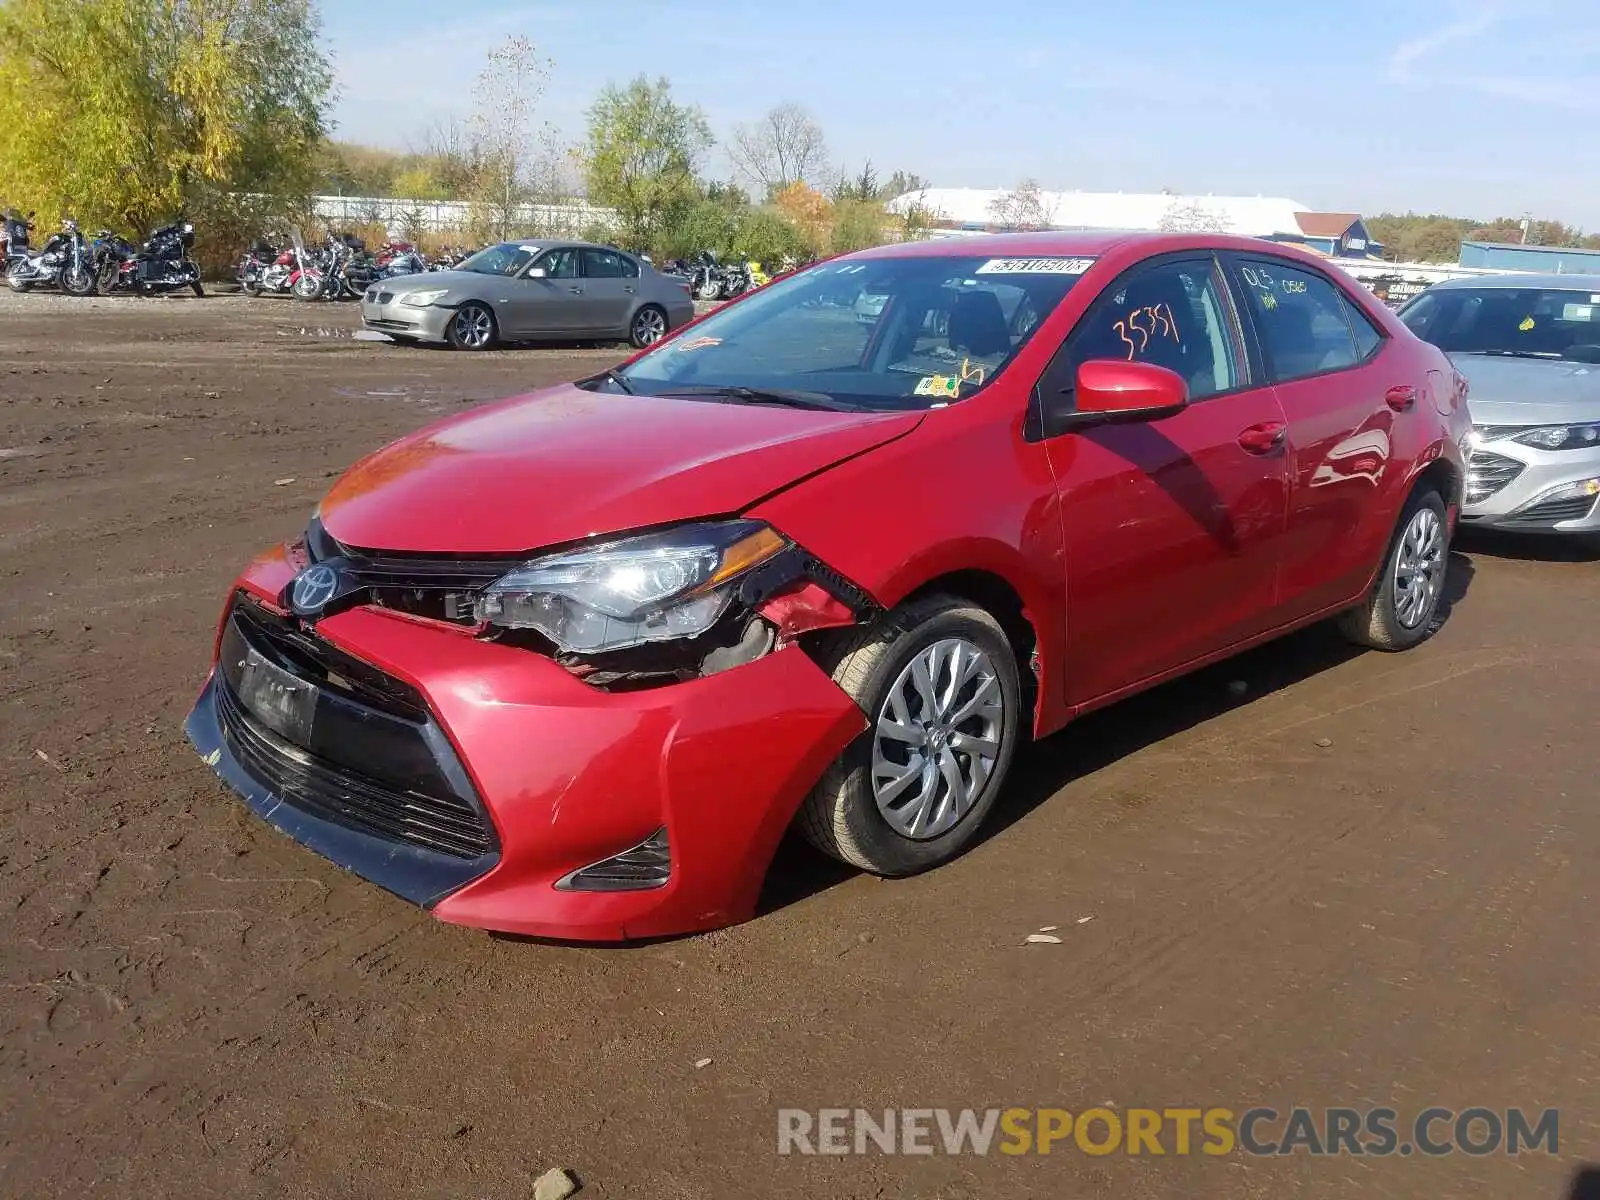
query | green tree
(704,225)
(640,157)
(766,236)
(128,112)
(858,224)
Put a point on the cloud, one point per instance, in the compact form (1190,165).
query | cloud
(1409,55)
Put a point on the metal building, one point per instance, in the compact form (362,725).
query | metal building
(1511,256)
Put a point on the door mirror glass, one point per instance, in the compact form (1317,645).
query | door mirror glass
(1109,388)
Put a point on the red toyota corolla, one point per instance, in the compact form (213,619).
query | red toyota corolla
(570,664)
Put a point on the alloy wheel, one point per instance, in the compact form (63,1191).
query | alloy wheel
(936,739)
(649,327)
(473,327)
(1419,567)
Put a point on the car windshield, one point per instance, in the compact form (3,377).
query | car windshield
(1532,322)
(874,334)
(508,258)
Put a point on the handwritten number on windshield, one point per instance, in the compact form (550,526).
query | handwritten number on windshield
(1151,321)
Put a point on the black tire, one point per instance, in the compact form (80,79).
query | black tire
(841,816)
(649,326)
(107,276)
(18,285)
(1383,621)
(78,283)
(463,331)
(198,289)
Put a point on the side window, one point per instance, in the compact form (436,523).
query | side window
(1368,339)
(1299,318)
(602,264)
(560,264)
(1170,314)
(630,269)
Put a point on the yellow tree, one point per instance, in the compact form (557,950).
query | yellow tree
(809,211)
(129,112)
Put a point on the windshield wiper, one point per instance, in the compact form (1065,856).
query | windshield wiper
(1517,353)
(785,396)
(611,376)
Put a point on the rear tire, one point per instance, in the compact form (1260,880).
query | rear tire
(198,289)
(649,327)
(938,681)
(18,285)
(1403,607)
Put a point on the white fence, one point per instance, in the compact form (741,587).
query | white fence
(567,219)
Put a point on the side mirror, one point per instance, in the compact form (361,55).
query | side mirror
(1110,389)
(537,273)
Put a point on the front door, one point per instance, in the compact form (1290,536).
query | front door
(1172,527)
(548,306)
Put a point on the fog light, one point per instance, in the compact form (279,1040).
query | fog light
(645,866)
(1568,491)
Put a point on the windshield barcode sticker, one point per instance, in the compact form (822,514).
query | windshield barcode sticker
(1036,266)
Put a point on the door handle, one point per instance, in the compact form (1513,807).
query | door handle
(629,290)
(576,291)
(1400,397)
(1263,438)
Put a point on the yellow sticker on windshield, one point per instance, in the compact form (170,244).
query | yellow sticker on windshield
(1527,324)
(938,385)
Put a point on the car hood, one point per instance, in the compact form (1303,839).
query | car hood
(567,463)
(427,281)
(1529,391)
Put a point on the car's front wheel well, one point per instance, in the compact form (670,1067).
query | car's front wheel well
(990,592)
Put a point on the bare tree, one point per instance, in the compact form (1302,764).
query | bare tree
(1191,217)
(784,146)
(1023,207)
(507,94)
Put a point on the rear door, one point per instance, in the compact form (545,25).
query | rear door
(608,294)
(1172,527)
(1333,378)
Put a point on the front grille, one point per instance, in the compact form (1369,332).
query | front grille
(334,794)
(1572,508)
(442,589)
(371,759)
(1487,473)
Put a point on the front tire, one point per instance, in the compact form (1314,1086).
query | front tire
(18,285)
(938,682)
(472,328)
(78,281)
(1403,605)
(198,289)
(649,327)
(307,287)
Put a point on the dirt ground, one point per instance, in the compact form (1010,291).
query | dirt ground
(1304,877)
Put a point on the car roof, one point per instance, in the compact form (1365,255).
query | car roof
(1079,242)
(559,244)
(1552,280)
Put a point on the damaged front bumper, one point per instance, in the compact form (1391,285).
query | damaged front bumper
(606,815)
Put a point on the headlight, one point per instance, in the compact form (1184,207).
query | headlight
(653,588)
(1560,437)
(423,299)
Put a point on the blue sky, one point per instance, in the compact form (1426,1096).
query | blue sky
(1477,109)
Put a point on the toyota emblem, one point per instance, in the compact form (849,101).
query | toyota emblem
(313,588)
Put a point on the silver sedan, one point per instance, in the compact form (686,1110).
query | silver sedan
(530,291)
(1529,346)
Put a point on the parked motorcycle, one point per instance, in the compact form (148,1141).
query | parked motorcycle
(63,261)
(161,264)
(107,253)
(14,231)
